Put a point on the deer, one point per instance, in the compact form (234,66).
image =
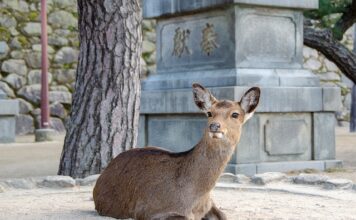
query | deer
(152,183)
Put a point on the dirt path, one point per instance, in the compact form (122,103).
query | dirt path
(284,201)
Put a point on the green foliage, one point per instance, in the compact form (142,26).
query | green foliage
(328,7)
(329,12)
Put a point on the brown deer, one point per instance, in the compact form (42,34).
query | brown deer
(151,183)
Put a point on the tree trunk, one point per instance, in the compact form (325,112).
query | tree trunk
(105,108)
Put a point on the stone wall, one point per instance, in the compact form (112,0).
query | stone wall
(330,75)
(20,59)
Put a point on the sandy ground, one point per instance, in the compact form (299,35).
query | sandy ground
(248,202)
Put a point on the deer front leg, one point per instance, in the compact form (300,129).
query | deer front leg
(214,214)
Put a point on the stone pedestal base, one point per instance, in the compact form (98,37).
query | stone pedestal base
(44,135)
(8,110)
(250,169)
(292,126)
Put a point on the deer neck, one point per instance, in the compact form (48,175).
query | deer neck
(208,160)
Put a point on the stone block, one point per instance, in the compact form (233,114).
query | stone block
(311,179)
(265,178)
(333,164)
(44,135)
(175,133)
(248,150)
(331,99)
(228,178)
(246,169)
(261,39)
(273,99)
(14,66)
(157,8)
(24,124)
(87,181)
(9,107)
(285,136)
(142,137)
(7,129)
(338,184)
(324,136)
(57,182)
(289,166)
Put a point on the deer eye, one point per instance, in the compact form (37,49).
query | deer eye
(209,114)
(235,115)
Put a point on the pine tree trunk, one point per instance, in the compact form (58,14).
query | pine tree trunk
(105,108)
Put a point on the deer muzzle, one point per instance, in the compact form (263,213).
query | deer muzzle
(214,131)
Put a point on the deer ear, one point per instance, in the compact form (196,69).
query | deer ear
(202,97)
(249,102)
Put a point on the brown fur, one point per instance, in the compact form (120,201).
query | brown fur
(152,183)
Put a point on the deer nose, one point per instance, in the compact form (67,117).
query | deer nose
(214,127)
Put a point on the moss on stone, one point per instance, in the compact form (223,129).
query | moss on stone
(33,15)
(23,41)
(5,34)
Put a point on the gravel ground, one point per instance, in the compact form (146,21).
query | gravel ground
(238,201)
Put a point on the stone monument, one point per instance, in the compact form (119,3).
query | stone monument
(8,110)
(229,46)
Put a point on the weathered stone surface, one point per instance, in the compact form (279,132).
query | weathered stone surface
(59,88)
(309,52)
(15,80)
(6,89)
(4,49)
(58,110)
(148,47)
(330,66)
(31,93)
(312,64)
(19,183)
(57,182)
(264,178)
(312,179)
(44,134)
(32,29)
(34,77)
(87,181)
(338,184)
(60,96)
(56,40)
(17,5)
(33,59)
(38,48)
(228,178)
(65,75)
(14,66)
(57,124)
(241,178)
(65,3)
(62,19)
(329,76)
(17,54)
(66,55)
(24,125)
(6,20)
(24,106)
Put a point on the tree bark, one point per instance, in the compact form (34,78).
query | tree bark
(323,41)
(105,107)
